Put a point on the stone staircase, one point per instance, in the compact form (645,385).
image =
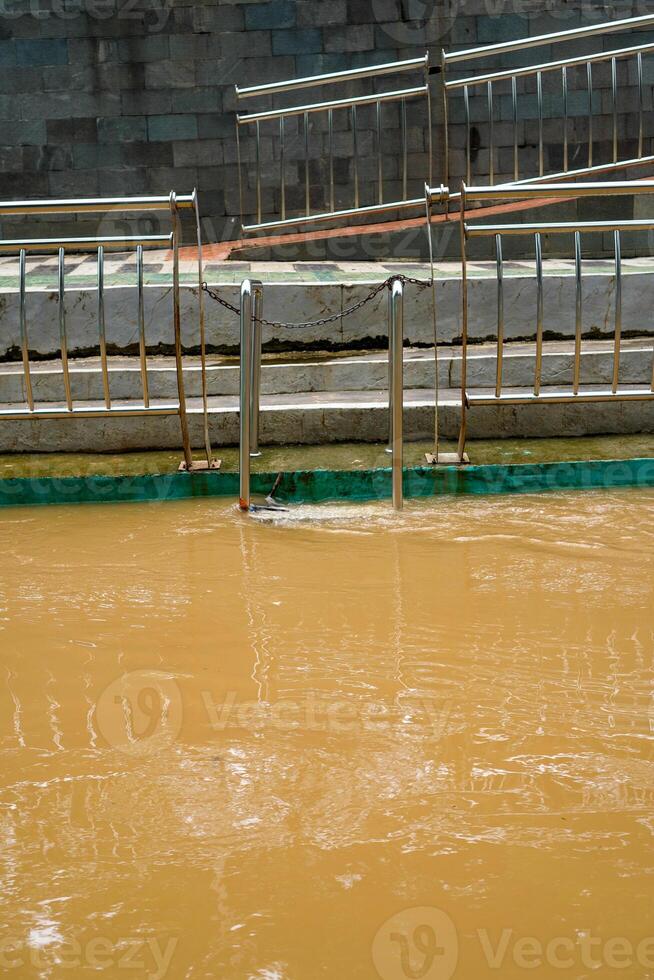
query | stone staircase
(314,398)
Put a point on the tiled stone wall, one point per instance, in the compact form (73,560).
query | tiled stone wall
(103,97)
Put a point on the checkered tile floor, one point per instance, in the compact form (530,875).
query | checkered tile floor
(120,269)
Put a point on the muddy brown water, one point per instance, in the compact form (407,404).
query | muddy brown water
(341,743)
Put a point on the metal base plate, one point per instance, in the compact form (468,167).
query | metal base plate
(199,464)
(446,459)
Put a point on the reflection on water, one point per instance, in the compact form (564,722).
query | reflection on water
(335,742)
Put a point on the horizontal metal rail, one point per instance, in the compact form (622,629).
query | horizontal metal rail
(78,244)
(332,78)
(325,216)
(87,412)
(96,204)
(521,192)
(360,100)
(547,66)
(558,37)
(557,227)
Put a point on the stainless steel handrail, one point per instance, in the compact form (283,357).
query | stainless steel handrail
(547,66)
(332,78)
(328,212)
(489,78)
(574,34)
(396,360)
(96,204)
(359,100)
(171,203)
(251,311)
(576,392)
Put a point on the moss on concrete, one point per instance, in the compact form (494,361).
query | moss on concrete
(345,456)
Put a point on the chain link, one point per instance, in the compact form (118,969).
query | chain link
(375,291)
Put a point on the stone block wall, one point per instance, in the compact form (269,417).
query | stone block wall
(108,97)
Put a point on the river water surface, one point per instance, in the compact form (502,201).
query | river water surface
(339,743)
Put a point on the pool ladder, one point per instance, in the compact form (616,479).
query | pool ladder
(250,385)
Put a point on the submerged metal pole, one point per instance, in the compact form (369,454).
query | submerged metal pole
(396,335)
(255,373)
(245,400)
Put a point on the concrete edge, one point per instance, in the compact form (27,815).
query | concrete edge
(318,486)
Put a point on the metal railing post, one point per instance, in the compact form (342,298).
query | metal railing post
(177,326)
(248,287)
(396,350)
(255,369)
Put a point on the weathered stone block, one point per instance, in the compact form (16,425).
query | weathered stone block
(172,127)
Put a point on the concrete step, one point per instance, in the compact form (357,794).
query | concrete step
(361,372)
(287,299)
(324,417)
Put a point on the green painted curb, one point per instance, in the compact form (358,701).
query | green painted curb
(317,486)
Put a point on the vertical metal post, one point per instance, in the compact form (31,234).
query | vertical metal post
(258,166)
(380,158)
(445,129)
(589,79)
(539,91)
(63,340)
(240,170)
(255,369)
(177,327)
(355,156)
(396,345)
(464,325)
(405,164)
(500,315)
(614,106)
(141,319)
(245,390)
(23,332)
(564,83)
(491,164)
(203,345)
(466,111)
(618,312)
(514,101)
(640,104)
(578,315)
(101,328)
(307,183)
(282,167)
(332,201)
(539,313)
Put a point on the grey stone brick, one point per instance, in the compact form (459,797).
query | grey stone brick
(31,131)
(172,127)
(197,100)
(122,129)
(149,102)
(197,153)
(302,41)
(360,38)
(215,126)
(71,130)
(40,51)
(170,74)
(250,44)
(47,158)
(318,13)
(266,16)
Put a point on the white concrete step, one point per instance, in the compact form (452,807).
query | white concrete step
(313,373)
(322,417)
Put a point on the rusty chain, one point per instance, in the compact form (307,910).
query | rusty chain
(332,318)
